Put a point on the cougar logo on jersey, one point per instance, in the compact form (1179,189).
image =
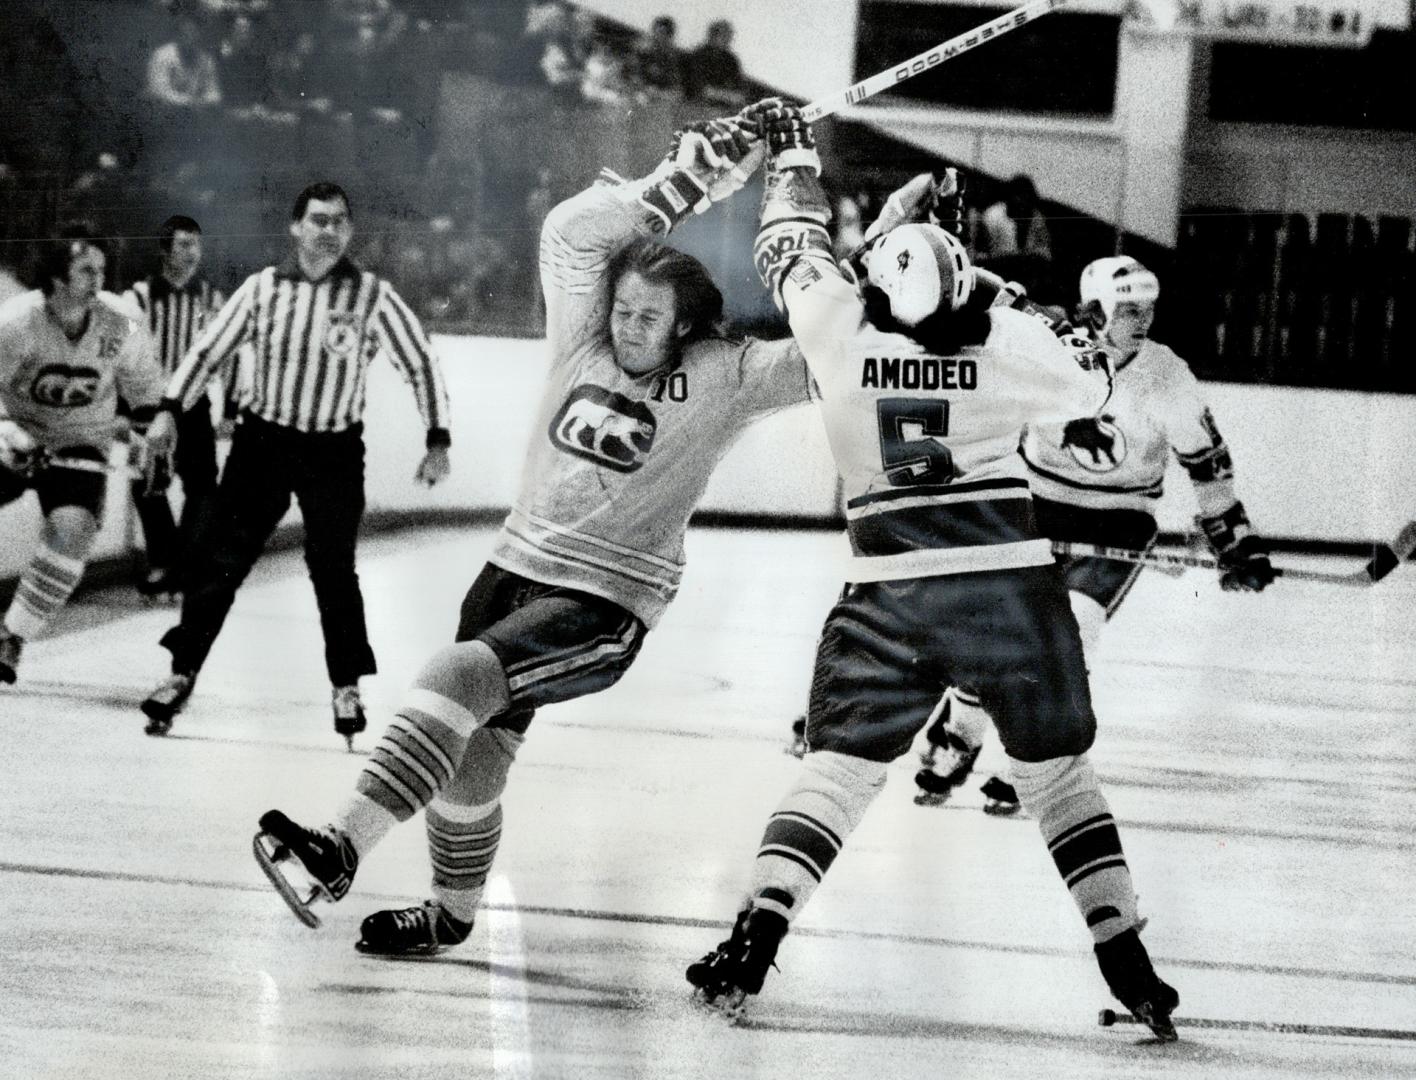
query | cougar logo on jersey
(607,428)
(60,386)
(342,334)
(1096,443)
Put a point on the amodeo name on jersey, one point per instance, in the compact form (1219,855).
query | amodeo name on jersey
(918,373)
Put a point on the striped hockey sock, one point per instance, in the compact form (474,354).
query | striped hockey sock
(806,832)
(454,694)
(461,847)
(45,586)
(1082,838)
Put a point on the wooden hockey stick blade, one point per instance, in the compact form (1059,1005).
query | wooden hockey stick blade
(928,60)
(300,908)
(1387,557)
(1111,1017)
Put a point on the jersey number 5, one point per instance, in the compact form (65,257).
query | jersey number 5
(908,454)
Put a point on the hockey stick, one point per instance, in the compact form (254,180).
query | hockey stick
(1110,1018)
(88,465)
(1388,557)
(1360,578)
(929,59)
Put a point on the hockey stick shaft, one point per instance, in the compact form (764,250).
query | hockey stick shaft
(1110,1018)
(1199,562)
(929,59)
(90,466)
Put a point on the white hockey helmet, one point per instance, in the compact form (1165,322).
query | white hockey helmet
(920,268)
(1114,280)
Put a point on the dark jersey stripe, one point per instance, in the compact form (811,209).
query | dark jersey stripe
(943,525)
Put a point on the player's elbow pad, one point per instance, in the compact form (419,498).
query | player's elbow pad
(781,243)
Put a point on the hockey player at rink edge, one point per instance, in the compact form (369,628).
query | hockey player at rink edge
(67,353)
(643,398)
(950,583)
(1097,480)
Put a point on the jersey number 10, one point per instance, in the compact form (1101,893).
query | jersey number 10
(908,454)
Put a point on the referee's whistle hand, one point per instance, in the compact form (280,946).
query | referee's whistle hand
(161,438)
(434,467)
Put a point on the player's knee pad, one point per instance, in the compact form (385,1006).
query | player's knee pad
(475,789)
(1091,617)
(468,674)
(1044,787)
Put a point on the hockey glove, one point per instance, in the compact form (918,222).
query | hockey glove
(789,137)
(18,451)
(706,163)
(1243,559)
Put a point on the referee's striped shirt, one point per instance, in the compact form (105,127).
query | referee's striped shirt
(175,315)
(312,343)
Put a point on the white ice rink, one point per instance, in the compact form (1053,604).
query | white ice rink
(1258,751)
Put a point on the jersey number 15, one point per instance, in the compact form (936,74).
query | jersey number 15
(909,455)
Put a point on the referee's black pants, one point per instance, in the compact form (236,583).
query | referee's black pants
(268,463)
(171,547)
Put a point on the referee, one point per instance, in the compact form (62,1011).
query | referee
(177,303)
(314,324)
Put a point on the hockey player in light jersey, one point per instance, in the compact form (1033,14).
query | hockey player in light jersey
(644,397)
(67,352)
(923,398)
(1097,480)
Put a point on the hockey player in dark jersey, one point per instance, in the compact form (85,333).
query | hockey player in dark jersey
(1097,480)
(923,397)
(644,397)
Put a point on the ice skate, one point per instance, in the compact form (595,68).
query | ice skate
(304,865)
(11,645)
(349,718)
(1000,798)
(945,768)
(1128,972)
(166,701)
(797,747)
(159,589)
(424,930)
(724,978)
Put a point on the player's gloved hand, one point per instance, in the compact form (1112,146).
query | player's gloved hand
(18,451)
(947,208)
(1245,567)
(720,155)
(788,134)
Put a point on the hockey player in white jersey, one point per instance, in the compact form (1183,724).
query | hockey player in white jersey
(644,397)
(67,351)
(923,397)
(1097,479)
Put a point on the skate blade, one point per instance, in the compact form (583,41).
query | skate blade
(730,1006)
(157,728)
(274,859)
(925,798)
(1162,1027)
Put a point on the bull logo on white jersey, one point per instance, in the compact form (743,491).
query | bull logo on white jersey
(59,386)
(606,428)
(1097,444)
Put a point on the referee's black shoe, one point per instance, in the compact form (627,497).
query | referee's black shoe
(349,718)
(10,647)
(166,701)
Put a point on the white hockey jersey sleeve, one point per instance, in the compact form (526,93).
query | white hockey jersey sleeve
(1196,441)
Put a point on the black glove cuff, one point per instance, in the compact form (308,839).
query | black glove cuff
(438,438)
